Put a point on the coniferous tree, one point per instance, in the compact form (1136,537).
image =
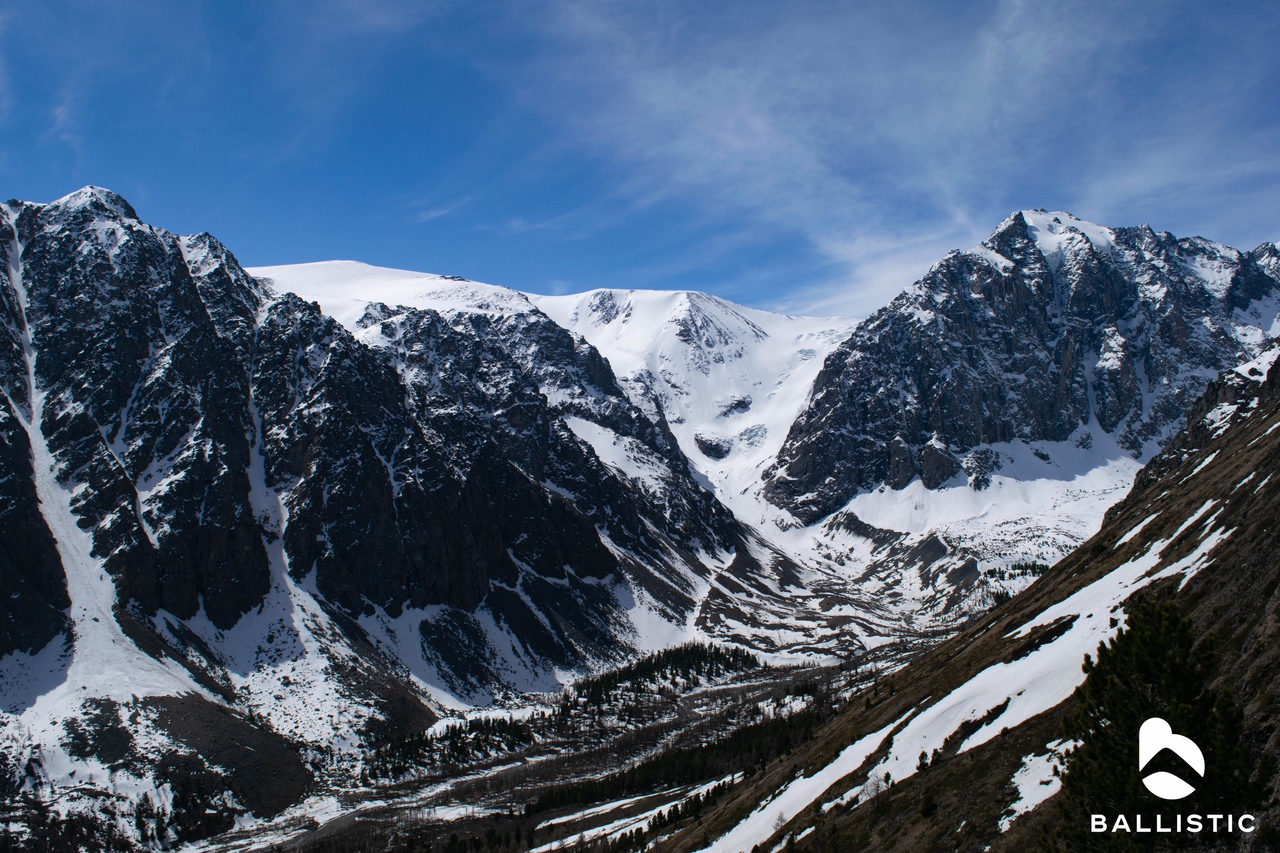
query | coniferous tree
(1153,668)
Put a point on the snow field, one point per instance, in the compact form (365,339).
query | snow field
(798,795)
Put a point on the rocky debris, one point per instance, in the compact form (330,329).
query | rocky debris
(713,448)
(261,769)
(980,465)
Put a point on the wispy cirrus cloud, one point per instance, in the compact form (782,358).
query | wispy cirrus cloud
(425,210)
(816,156)
(884,136)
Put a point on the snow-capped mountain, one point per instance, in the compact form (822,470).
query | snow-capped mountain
(225,506)
(1053,329)
(729,380)
(747,589)
(972,431)
(293,511)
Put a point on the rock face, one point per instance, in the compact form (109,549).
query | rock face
(32,583)
(150,439)
(1050,325)
(416,461)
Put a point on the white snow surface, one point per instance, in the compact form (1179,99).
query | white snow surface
(104,663)
(1036,780)
(344,289)
(591,812)
(726,373)
(797,796)
(1054,229)
(1074,484)
(623,454)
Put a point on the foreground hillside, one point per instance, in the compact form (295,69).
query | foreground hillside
(969,733)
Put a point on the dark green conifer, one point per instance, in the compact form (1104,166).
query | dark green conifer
(1152,668)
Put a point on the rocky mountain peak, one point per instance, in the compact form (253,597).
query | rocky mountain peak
(1050,325)
(93,202)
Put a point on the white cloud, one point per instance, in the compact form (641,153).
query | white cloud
(882,136)
(6,87)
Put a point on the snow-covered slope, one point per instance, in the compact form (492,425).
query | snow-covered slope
(730,380)
(939,525)
(344,289)
(975,726)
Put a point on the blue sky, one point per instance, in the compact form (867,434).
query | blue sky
(808,156)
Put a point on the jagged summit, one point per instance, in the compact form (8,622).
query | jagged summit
(89,200)
(1050,326)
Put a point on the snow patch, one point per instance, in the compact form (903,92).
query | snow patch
(343,289)
(1052,230)
(1038,779)
(798,795)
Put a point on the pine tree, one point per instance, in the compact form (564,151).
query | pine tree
(1153,668)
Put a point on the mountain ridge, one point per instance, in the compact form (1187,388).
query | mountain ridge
(1028,338)
(329,518)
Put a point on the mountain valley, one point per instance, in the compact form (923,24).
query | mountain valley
(330,555)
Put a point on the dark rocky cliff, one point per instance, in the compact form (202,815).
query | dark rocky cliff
(424,463)
(1035,335)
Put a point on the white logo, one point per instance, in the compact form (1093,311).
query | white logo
(1156,735)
